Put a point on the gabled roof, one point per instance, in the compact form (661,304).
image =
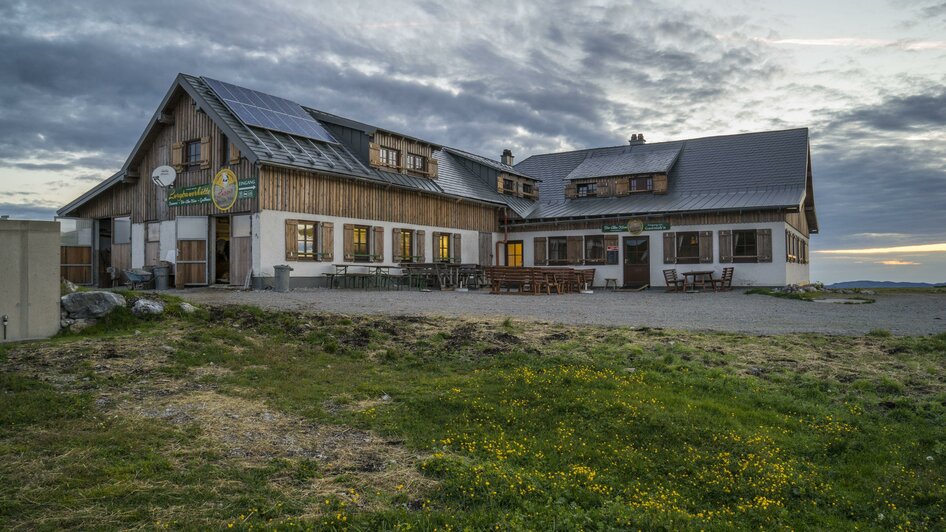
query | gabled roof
(369,129)
(728,172)
(637,159)
(495,165)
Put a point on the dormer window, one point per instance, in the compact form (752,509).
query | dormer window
(389,157)
(642,184)
(508,185)
(527,189)
(414,163)
(586,190)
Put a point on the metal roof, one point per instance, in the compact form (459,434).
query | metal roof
(744,171)
(638,159)
(496,165)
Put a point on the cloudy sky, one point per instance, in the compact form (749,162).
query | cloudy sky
(80,80)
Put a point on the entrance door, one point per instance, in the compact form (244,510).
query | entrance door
(103,252)
(514,253)
(121,247)
(191,261)
(75,251)
(486,249)
(636,261)
(240,254)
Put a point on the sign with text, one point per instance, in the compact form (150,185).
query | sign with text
(198,194)
(621,228)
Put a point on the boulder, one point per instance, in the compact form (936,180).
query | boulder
(90,305)
(147,307)
(187,308)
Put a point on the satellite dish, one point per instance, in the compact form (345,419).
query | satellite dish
(164,176)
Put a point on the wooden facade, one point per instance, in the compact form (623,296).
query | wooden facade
(522,187)
(142,200)
(300,191)
(618,185)
(404,146)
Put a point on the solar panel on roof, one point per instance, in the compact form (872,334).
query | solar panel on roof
(269,112)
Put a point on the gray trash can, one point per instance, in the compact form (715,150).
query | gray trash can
(282,277)
(161,274)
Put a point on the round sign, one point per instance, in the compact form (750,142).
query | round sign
(224,189)
(164,176)
(635,226)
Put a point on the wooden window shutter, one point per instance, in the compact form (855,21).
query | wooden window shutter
(396,255)
(764,244)
(499,183)
(725,247)
(621,187)
(177,156)
(348,236)
(234,154)
(374,154)
(670,248)
(378,247)
(604,188)
(433,168)
(660,184)
(420,245)
(456,251)
(571,190)
(205,153)
(292,247)
(328,241)
(573,249)
(706,247)
(540,247)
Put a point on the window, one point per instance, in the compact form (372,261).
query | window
(307,244)
(389,157)
(415,163)
(514,253)
(122,231)
(192,153)
(224,150)
(587,189)
(508,185)
(642,184)
(360,246)
(527,188)
(558,250)
(744,246)
(688,247)
(594,249)
(407,245)
(443,247)
(153,232)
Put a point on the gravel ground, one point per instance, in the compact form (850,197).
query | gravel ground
(903,314)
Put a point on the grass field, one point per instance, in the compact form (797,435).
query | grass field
(235,417)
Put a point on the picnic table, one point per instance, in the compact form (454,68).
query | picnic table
(701,276)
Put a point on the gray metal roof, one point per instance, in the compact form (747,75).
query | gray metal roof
(496,165)
(456,179)
(744,171)
(638,159)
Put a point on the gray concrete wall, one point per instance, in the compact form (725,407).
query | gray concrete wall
(29,279)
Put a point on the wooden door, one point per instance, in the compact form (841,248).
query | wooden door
(191,261)
(241,256)
(75,251)
(121,247)
(636,261)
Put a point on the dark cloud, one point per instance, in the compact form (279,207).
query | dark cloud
(903,112)
(27,211)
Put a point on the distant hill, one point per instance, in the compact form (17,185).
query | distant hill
(882,284)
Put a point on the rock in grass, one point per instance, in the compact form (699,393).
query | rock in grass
(147,307)
(90,305)
(187,308)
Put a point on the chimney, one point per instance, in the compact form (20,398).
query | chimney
(507,157)
(636,138)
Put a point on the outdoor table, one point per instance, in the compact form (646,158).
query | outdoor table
(704,275)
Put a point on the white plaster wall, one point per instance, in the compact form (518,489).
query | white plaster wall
(257,244)
(137,245)
(795,273)
(271,236)
(746,274)
(168,241)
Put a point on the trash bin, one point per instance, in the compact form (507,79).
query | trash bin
(282,277)
(161,274)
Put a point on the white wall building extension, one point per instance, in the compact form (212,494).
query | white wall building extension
(776,273)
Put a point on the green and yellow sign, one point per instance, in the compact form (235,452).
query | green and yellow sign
(216,192)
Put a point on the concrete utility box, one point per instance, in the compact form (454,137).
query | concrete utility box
(29,279)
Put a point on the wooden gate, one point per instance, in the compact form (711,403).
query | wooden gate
(241,256)
(486,249)
(75,250)
(191,260)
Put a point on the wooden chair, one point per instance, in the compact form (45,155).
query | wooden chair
(674,284)
(724,283)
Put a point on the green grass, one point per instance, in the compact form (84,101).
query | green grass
(505,424)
